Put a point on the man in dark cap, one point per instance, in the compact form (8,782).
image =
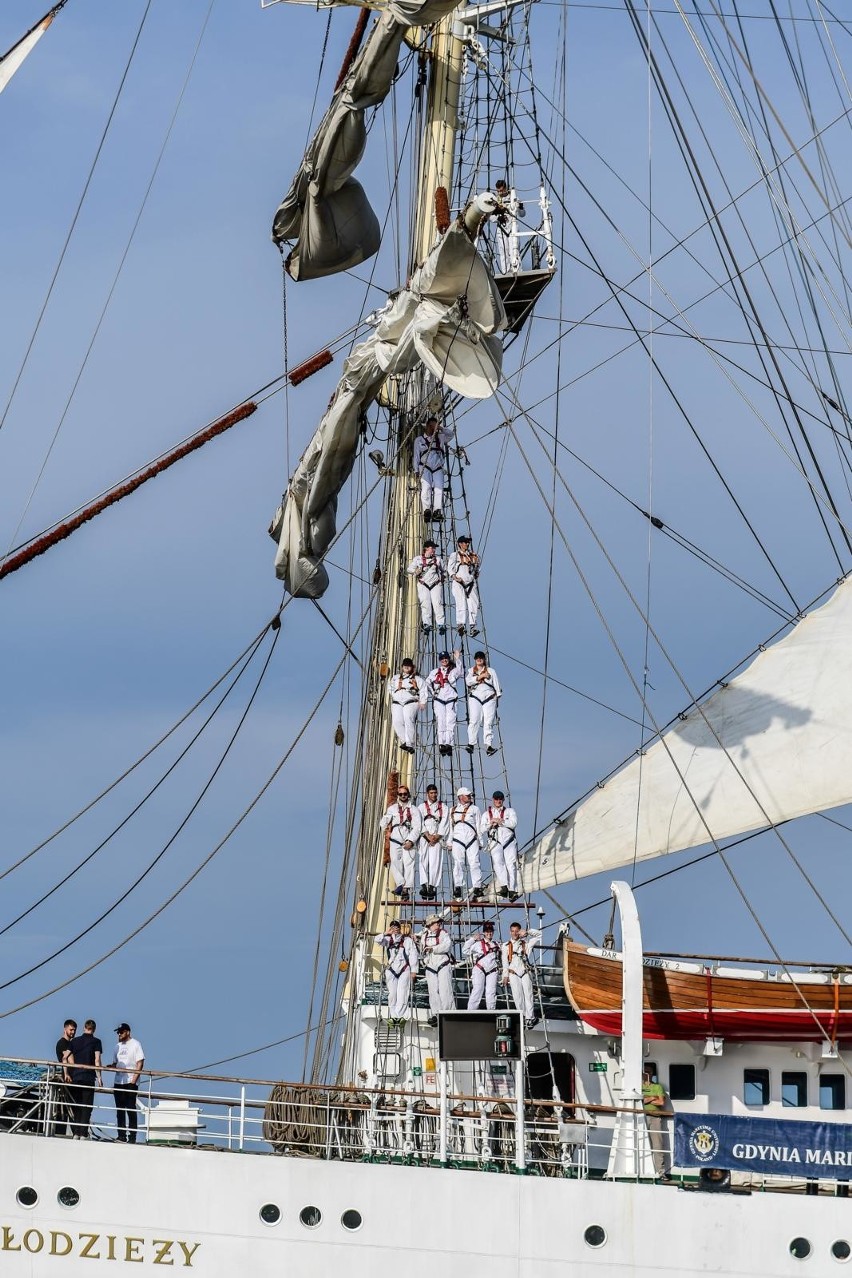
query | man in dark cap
(128,1063)
(442,686)
(484,954)
(402,963)
(463,571)
(484,692)
(427,568)
(498,825)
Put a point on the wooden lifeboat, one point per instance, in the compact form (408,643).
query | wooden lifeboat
(685,1000)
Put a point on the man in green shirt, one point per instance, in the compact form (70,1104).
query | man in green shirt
(654,1103)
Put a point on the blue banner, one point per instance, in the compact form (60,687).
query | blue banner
(772,1146)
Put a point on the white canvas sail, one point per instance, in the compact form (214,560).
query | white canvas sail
(784,749)
(423,322)
(11,61)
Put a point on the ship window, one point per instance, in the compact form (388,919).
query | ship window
(800,1248)
(595,1235)
(756,1086)
(682,1082)
(27,1196)
(794,1088)
(351,1219)
(68,1196)
(270,1213)
(310,1216)
(841,1250)
(832,1091)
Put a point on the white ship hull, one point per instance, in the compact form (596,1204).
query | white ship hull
(198,1210)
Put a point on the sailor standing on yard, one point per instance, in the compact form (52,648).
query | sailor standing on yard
(435,819)
(441,684)
(405,824)
(430,460)
(402,963)
(517,971)
(463,571)
(464,844)
(498,826)
(436,950)
(484,692)
(428,570)
(484,954)
(407,694)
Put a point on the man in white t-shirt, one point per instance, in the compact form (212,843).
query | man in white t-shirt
(128,1063)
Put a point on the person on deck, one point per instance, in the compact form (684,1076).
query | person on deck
(85,1067)
(435,826)
(441,685)
(428,570)
(464,844)
(484,691)
(128,1063)
(405,823)
(430,462)
(484,954)
(402,964)
(517,970)
(65,1097)
(653,1103)
(436,951)
(498,825)
(407,694)
(463,571)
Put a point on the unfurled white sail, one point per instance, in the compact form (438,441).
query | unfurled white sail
(784,749)
(10,61)
(326,214)
(426,323)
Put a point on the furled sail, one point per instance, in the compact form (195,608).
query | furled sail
(447,318)
(784,750)
(10,61)
(326,212)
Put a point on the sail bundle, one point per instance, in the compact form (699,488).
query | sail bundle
(446,318)
(326,212)
(773,744)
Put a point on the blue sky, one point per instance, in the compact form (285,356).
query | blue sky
(107,640)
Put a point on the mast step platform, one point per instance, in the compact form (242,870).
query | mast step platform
(520,293)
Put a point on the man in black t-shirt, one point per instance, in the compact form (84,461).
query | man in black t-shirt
(85,1069)
(62,1095)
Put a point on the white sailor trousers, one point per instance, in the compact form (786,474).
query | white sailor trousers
(431,601)
(432,489)
(466,852)
(445,720)
(479,715)
(466,603)
(505,863)
(522,994)
(402,865)
(482,983)
(440,989)
(399,990)
(430,863)
(404,719)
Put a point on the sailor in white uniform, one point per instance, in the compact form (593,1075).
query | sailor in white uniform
(405,824)
(464,844)
(484,954)
(517,972)
(428,570)
(484,691)
(435,826)
(441,684)
(407,692)
(463,572)
(436,952)
(430,460)
(498,826)
(402,964)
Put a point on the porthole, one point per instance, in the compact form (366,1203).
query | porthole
(26,1196)
(841,1250)
(351,1219)
(270,1214)
(310,1217)
(800,1248)
(68,1196)
(595,1235)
